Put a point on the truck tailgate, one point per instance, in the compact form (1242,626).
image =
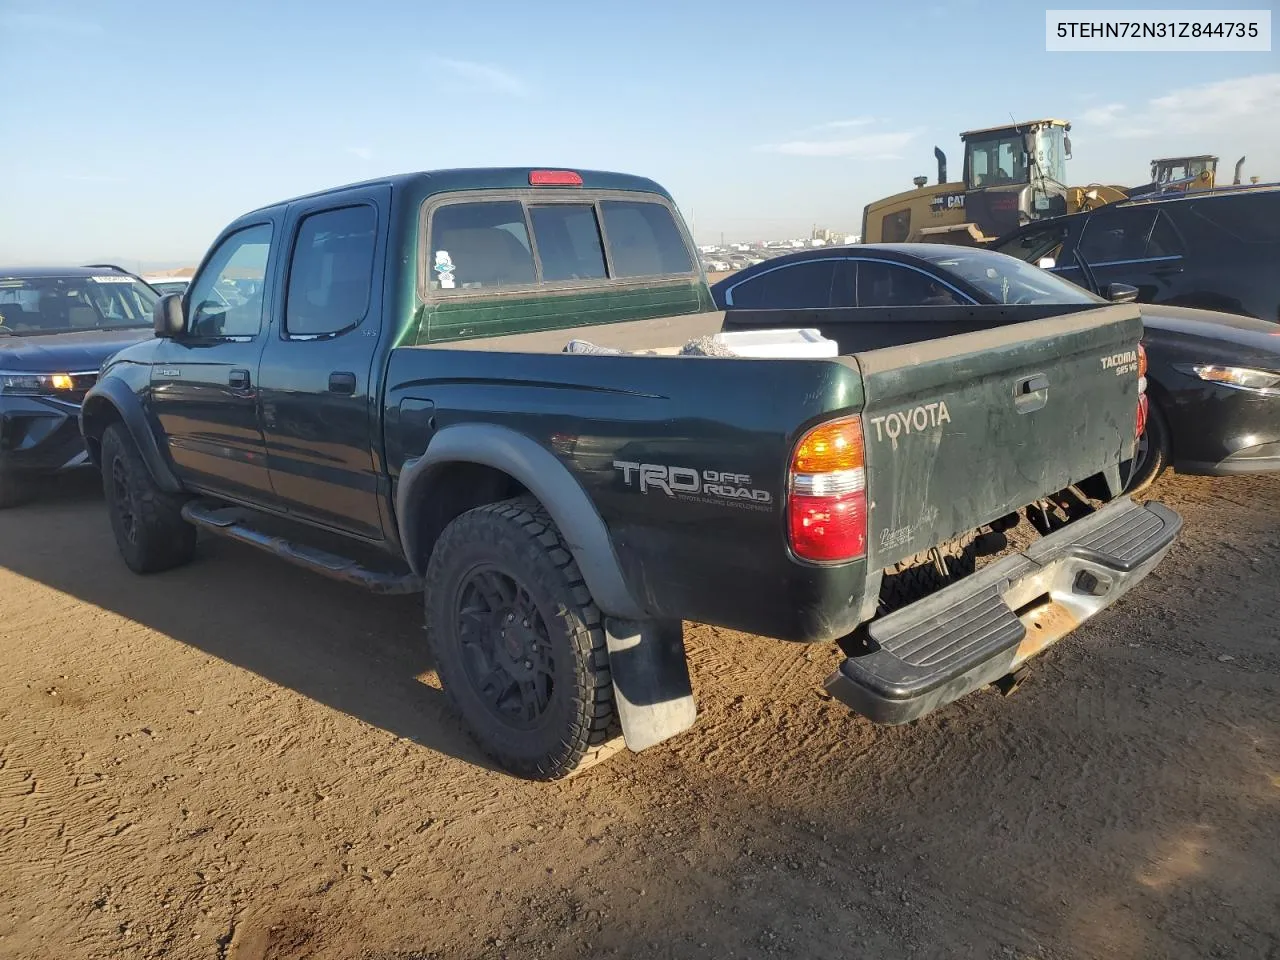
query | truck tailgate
(962,430)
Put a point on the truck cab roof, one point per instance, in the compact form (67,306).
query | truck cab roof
(425,183)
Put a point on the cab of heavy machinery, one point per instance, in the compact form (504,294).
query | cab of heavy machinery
(1015,174)
(1180,174)
(1012,175)
(1196,172)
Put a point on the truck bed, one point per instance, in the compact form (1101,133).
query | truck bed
(959,431)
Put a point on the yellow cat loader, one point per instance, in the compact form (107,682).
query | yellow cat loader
(1012,175)
(1183,174)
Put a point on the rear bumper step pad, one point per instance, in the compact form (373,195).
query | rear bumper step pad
(976,631)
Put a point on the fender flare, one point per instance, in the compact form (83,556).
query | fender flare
(544,476)
(117,394)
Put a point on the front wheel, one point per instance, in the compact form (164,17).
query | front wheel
(518,642)
(147,522)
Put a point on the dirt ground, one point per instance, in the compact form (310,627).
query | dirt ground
(240,760)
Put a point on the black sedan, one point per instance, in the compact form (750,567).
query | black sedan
(57,326)
(1213,378)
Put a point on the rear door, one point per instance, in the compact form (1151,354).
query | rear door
(319,396)
(204,388)
(964,429)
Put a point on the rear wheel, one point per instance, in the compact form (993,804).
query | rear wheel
(519,643)
(1152,454)
(147,522)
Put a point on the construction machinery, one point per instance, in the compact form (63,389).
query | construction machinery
(1012,175)
(1182,174)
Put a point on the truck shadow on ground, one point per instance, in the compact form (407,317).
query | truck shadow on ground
(1123,804)
(353,651)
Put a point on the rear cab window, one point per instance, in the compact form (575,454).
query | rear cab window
(491,262)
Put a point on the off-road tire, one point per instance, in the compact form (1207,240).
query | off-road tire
(15,490)
(518,539)
(918,576)
(147,521)
(1147,469)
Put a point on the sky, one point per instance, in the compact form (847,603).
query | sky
(135,130)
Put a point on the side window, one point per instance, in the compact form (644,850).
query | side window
(844,285)
(568,240)
(226,299)
(331,273)
(1119,236)
(889,285)
(896,227)
(644,240)
(1165,241)
(481,245)
(802,286)
(1253,219)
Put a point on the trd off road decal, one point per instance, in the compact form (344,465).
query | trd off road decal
(685,483)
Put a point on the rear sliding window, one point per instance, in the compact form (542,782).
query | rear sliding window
(490,245)
(568,239)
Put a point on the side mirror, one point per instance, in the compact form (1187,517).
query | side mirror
(167,316)
(1046,263)
(1122,292)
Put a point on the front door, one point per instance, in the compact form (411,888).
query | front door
(319,392)
(204,383)
(1142,248)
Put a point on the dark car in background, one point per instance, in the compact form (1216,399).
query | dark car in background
(1213,378)
(1213,251)
(57,326)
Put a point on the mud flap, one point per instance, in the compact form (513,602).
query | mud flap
(651,688)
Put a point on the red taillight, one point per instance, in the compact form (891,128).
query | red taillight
(1142,389)
(554,178)
(827,493)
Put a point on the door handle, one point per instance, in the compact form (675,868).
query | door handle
(238,379)
(340,381)
(1031,393)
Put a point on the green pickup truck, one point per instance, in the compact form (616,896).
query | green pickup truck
(509,389)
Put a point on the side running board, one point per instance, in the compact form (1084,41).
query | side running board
(233,523)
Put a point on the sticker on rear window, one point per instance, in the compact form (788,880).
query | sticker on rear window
(444,269)
(112,279)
